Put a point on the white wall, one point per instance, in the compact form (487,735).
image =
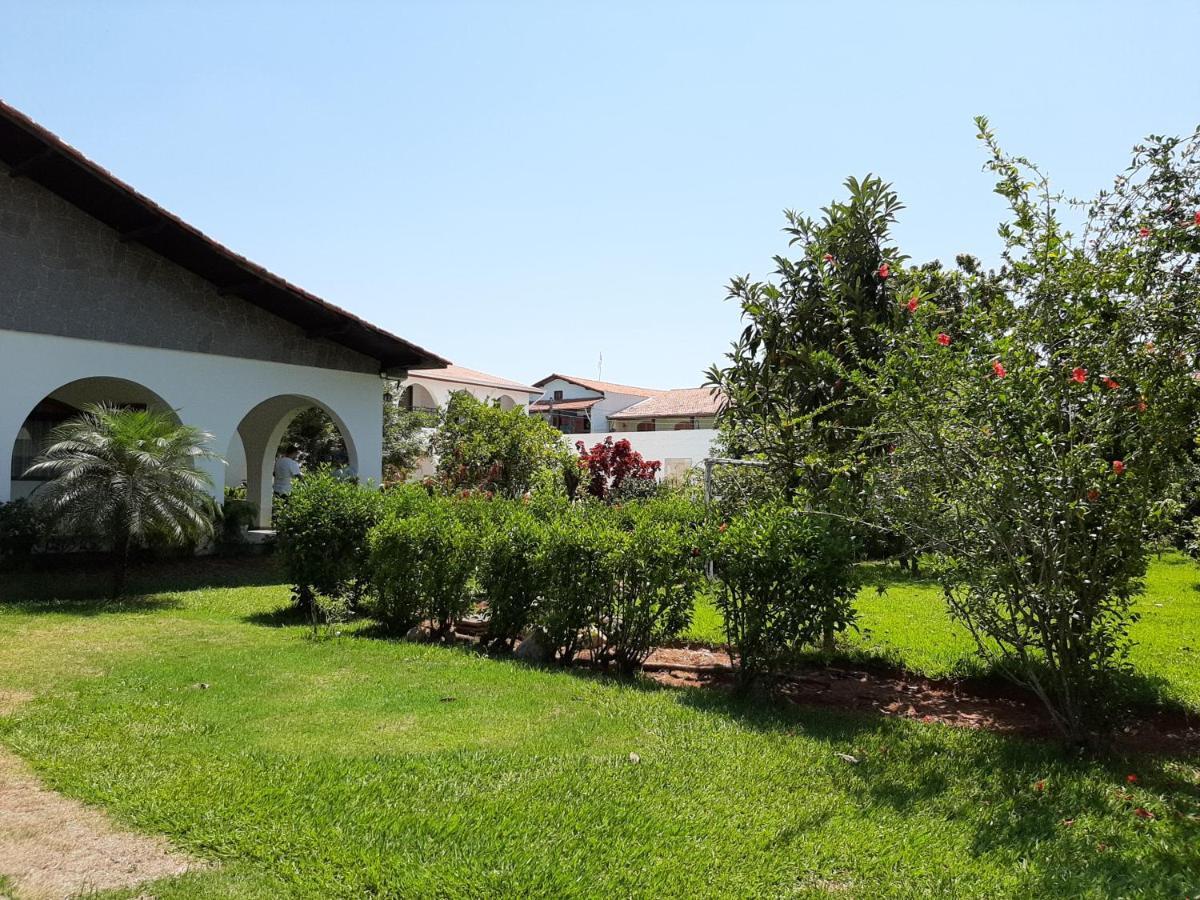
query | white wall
(441,389)
(678,451)
(210,392)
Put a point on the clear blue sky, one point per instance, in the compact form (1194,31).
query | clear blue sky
(522,186)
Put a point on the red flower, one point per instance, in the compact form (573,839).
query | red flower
(998,368)
(1141,406)
(943,339)
(1143,813)
(1198,217)
(1079,374)
(1093,495)
(1132,779)
(885,270)
(828,257)
(1110,383)
(723,527)
(1039,786)
(1118,467)
(912,304)
(1144,231)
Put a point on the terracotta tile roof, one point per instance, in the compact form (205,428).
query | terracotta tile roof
(555,405)
(700,401)
(464,375)
(38,154)
(604,387)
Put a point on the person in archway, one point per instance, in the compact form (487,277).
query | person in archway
(286,470)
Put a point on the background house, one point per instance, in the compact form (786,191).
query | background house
(430,389)
(106,296)
(677,427)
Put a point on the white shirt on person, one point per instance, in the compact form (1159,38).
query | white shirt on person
(286,469)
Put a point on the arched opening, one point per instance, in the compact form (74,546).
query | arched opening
(417,397)
(505,402)
(319,434)
(64,403)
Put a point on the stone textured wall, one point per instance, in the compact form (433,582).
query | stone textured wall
(64,273)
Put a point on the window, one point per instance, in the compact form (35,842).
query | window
(645,426)
(558,395)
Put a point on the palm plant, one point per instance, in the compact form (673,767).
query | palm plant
(129,474)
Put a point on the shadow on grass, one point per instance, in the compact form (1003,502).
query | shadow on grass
(83,585)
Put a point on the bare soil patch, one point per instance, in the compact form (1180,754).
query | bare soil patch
(55,847)
(991,706)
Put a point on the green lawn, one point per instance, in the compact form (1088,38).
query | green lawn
(907,625)
(357,765)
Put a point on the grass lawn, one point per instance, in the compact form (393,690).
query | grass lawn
(907,625)
(357,765)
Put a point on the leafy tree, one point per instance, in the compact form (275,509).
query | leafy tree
(610,465)
(314,433)
(1038,416)
(406,439)
(482,447)
(793,377)
(131,474)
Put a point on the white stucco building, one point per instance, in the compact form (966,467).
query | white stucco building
(676,427)
(430,389)
(105,296)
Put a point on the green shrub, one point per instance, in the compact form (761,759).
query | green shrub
(580,557)
(20,530)
(509,574)
(323,536)
(787,578)
(660,570)
(422,566)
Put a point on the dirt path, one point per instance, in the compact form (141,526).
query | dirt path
(54,847)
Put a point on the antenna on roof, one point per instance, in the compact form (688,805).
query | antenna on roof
(600,367)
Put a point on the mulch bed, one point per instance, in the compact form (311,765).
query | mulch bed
(992,706)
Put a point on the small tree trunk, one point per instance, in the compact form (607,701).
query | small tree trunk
(828,644)
(121,548)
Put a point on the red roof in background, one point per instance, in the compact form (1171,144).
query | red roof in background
(701,401)
(603,387)
(35,153)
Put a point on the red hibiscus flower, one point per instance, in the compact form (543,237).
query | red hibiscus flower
(912,304)
(1132,779)
(1093,495)
(1110,383)
(885,270)
(998,368)
(943,339)
(1144,231)
(1118,467)
(1079,374)
(1198,217)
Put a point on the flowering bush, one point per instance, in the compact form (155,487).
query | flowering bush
(609,465)
(1029,451)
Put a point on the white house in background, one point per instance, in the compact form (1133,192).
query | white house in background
(430,389)
(577,405)
(677,427)
(106,296)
